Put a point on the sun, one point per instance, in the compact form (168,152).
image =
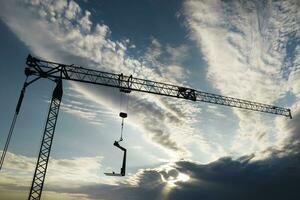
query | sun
(172,181)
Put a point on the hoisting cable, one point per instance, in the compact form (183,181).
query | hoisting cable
(122,127)
(122,124)
(11,130)
(123,115)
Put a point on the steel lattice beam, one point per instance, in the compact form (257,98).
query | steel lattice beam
(51,70)
(46,69)
(42,163)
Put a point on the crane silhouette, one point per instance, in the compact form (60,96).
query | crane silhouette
(41,69)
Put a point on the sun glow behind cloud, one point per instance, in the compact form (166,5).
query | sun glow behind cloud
(171,181)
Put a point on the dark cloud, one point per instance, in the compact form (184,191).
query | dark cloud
(274,178)
(292,127)
(155,121)
(230,179)
(261,135)
(178,110)
(149,187)
(277,177)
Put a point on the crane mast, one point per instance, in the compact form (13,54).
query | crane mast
(57,72)
(45,149)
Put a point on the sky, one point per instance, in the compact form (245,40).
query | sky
(177,149)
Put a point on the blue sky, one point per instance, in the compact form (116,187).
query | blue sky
(244,49)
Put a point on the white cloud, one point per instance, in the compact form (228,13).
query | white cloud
(17,171)
(61,31)
(214,109)
(72,10)
(77,171)
(167,62)
(235,57)
(245,45)
(294,82)
(84,108)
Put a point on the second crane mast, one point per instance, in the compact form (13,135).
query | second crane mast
(56,71)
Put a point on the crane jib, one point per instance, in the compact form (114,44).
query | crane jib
(47,69)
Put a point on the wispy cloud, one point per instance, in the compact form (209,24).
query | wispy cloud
(167,61)
(84,108)
(18,169)
(66,34)
(246,45)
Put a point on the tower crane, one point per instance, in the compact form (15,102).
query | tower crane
(41,69)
